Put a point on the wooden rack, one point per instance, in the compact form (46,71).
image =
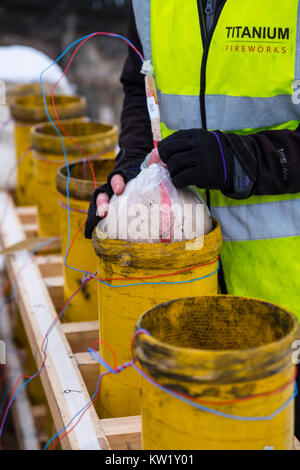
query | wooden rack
(39,296)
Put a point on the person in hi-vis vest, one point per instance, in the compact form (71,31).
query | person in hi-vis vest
(226,74)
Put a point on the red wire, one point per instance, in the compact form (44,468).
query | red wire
(64,73)
(111,350)
(238,400)
(158,275)
(80,228)
(95,184)
(230,402)
(80,417)
(57,317)
(43,362)
(45,355)
(10,281)
(95,398)
(73,241)
(83,151)
(206,402)
(12,395)
(56,114)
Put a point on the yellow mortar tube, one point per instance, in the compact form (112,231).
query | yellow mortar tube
(96,139)
(120,307)
(84,306)
(14,91)
(217,349)
(27,111)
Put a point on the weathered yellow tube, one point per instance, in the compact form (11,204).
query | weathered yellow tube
(95,139)
(217,349)
(27,111)
(14,91)
(120,307)
(84,306)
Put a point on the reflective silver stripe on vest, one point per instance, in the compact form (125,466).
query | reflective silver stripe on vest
(227,113)
(179,111)
(269,220)
(142,12)
(234,113)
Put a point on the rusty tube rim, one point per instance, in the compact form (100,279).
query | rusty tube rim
(164,256)
(79,188)
(208,364)
(92,136)
(31,88)
(31,109)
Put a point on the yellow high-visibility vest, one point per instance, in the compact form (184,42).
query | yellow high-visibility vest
(240,78)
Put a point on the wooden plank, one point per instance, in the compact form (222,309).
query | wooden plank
(89,370)
(296,444)
(21,410)
(55,288)
(81,335)
(30,230)
(39,413)
(27,214)
(123,433)
(60,373)
(50,265)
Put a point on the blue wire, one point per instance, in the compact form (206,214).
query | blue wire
(33,376)
(94,355)
(5,300)
(4,400)
(68,197)
(101,361)
(163,283)
(80,411)
(61,313)
(215,412)
(6,393)
(68,179)
(41,368)
(14,397)
(60,136)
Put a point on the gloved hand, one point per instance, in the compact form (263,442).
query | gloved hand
(207,160)
(116,183)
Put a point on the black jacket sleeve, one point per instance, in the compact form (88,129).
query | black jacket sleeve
(271,159)
(135,139)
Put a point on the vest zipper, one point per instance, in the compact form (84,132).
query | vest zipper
(202,22)
(210,13)
(207,30)
(206,39)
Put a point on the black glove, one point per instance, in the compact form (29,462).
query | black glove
(210,160)
(128,169)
